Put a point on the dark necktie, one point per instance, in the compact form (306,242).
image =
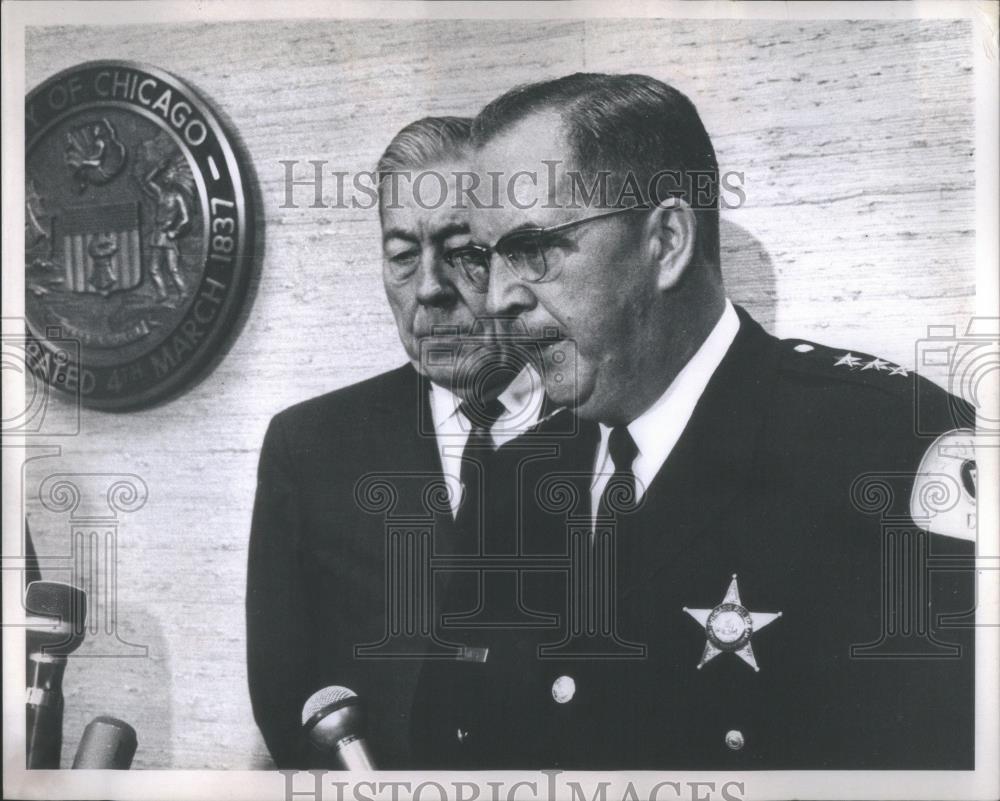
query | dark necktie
(620,492)
(476,459)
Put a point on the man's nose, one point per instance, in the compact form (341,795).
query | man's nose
(506,294)
(434,286)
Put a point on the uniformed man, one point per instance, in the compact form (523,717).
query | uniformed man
(745,586)
(319,610)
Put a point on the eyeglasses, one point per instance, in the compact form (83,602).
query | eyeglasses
(523,251)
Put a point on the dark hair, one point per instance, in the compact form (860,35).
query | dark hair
(425,142)
(634,126)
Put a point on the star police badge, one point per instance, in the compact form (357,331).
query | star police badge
(729,626)
(137,240)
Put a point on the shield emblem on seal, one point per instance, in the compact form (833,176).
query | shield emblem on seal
(101,248)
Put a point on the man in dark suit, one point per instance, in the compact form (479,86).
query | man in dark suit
(747,583)
(364,484)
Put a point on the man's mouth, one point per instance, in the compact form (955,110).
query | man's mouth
(441,333)
(443,330)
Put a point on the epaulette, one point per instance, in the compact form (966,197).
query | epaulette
(839,364)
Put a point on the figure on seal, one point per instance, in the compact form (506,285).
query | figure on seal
(94,154)
(169,183)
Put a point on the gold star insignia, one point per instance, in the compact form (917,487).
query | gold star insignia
(729,626)
(848,360)
(876,364)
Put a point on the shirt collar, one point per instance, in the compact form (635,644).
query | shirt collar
(520,392)
(522,400)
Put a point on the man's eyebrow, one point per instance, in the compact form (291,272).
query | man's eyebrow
(452,229)
(398,233)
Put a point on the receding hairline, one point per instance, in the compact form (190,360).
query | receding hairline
(633,126)
(422,145)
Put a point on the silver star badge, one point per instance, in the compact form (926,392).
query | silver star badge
(848,360)
(876,364)
(897,370)
(729,626)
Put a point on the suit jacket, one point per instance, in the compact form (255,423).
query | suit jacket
(350,512)
(793,476)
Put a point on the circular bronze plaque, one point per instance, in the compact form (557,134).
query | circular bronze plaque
(137,241)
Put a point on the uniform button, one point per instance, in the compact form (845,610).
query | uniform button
(734,740)
(461,734)
(563,689)
(803,348)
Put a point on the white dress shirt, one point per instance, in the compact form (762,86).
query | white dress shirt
(658,429)
(522,402)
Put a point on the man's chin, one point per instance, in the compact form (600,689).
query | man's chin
(442,376)
(481,379)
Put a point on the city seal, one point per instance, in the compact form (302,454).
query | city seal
(137,234)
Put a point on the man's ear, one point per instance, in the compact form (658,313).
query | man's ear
(670,232)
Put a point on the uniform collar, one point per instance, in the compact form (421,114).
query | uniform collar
(658,429)
(713,466)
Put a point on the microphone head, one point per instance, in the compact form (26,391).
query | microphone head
(323,698)
(107,744)
(57,614)
(331,715)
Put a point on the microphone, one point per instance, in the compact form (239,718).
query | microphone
(107,744)
(56,615)
(333,723)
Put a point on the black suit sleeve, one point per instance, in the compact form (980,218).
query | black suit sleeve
(279,663)
(32,571)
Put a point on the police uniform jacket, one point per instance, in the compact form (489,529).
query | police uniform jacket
(791,483)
